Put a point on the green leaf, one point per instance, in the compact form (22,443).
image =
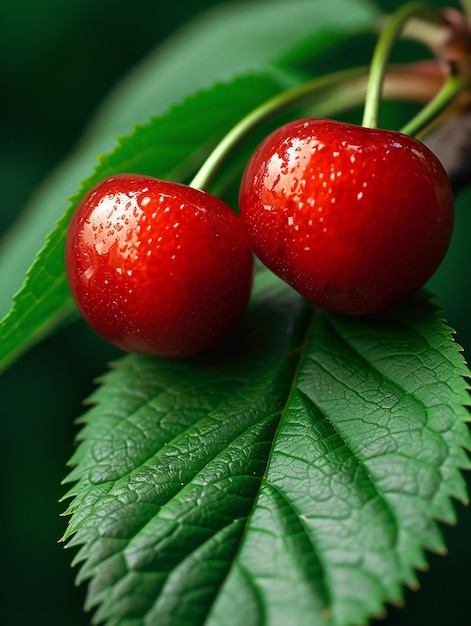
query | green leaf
(292,476)
(228,41)
(168,147)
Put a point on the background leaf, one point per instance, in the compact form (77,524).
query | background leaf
(300,468)
(167,147)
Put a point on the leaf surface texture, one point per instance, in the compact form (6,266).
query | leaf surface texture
(294,477)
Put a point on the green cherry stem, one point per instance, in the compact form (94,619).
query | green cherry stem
(264,112)
(452,87)
(381,54)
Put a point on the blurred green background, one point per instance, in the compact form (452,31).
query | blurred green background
(57,62)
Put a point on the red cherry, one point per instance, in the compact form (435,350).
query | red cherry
(157,267)
(355,219)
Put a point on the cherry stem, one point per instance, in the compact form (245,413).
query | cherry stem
(452,87)
(381,55)
(262,113)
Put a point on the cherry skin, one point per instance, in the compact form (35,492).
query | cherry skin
(355,219)
(156,267)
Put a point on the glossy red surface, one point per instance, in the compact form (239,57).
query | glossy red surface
(355,219)
(156,267)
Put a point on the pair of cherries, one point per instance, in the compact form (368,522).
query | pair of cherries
(354,219)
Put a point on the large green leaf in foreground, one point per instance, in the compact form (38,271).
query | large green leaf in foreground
(293,476)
